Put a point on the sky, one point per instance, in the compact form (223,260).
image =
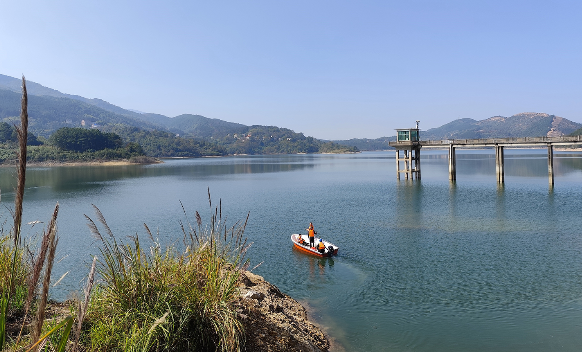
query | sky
(329,69)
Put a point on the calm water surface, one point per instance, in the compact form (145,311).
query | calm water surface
(423,266)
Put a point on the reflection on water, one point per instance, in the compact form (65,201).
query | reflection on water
(70,179)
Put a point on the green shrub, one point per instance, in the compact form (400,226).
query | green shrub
(21,270)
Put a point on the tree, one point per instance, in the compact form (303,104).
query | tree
(7,133)
(82,140)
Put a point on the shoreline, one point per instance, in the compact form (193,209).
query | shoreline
(125,162)
(82,163)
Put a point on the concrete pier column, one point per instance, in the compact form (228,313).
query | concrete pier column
(417,162)
(452,163)
(406,165)
(410,158)
(499,160)
(398,164)
(410,169)
(551,163)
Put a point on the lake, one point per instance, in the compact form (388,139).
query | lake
(423,265)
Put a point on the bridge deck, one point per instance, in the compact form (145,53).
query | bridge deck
(525,142)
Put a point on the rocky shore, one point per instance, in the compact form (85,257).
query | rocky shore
(275,322)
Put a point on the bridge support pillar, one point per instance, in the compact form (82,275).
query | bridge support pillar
(417,163)
(411,159)
(551,164)
(452,163)
(499,161)
(398,164)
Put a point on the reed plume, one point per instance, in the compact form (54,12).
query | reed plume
(22,133)
(53,241)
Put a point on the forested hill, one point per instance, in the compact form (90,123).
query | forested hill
(381,143)
(13,84)
(160,136)
(195,125)
(47,113)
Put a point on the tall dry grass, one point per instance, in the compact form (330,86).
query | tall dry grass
(155,299)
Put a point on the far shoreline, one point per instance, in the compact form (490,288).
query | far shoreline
(54,163)
(125,162)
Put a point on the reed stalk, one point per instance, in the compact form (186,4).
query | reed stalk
(8,292)
(52,246)
(22,133)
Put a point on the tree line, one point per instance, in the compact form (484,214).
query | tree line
(69,144)
(125,142)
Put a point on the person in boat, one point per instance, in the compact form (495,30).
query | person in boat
(311,233)
(321,246)
(301,241)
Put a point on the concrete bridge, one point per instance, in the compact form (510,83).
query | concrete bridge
(408,151)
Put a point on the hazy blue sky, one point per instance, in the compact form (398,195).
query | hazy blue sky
(330,69)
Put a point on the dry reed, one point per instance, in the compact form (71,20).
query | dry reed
(53,241)
(22,133)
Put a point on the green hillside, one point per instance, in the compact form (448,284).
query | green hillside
(13,84)
(203,127)
(368,144)
(48,114)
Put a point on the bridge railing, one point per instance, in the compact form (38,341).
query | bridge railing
(513,140)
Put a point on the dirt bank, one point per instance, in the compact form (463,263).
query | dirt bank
(275,322)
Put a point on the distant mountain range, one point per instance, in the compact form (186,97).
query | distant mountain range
(526,124)
(159,135)
(50,110)
(13,84)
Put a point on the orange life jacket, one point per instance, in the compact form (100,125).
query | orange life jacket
(311,232)
(321,245)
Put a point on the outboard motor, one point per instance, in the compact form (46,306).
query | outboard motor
(330,249)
